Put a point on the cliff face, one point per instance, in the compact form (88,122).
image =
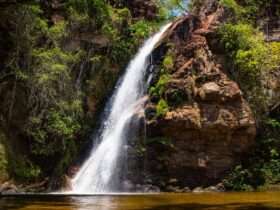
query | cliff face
(209,125)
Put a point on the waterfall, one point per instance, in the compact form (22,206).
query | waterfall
(99,173)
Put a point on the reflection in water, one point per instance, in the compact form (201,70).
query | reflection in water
(226,201)
(216,207)
(100,203)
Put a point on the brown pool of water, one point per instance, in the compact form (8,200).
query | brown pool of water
(203,201)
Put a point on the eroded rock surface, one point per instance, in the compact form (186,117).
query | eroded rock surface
(213,126)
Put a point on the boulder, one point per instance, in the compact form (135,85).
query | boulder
(209,91)
(198,190)
(8,187)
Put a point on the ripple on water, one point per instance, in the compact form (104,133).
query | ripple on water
(204,201)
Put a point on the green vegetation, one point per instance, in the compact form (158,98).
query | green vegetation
(3,159)
(168,62)
(246,47)
(262,168)
(159,88)
(249,10)
(158,91)
(58,70)
(141,29)
(252,60)
(250,57)
(162,108)
(25,170)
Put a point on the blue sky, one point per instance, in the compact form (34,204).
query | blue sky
(177,11)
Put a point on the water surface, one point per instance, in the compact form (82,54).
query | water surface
(212,201)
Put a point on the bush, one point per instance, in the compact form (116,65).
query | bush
(246,10)
(274,55)
(249,54)
(141,29)
(26,170)
(233,6)
(262,167)
(57,33)
(168,62)
(160,86)
(239,179)
(162,108)
(96,10)
(252,60)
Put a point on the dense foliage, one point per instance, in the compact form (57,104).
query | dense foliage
(252,60)
(60,60)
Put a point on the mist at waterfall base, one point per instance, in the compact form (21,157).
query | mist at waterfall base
(101,171)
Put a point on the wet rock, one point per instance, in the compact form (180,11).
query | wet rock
(150,189)
(138,188)
(172,181)
(150,112)
(128,186)
(8,187)
(148,181)
(66,183)
(211,189)
(217,188)
(220,187)
(186,189)
(175,189)
(198,190)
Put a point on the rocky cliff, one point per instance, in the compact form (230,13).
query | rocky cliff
(207,126)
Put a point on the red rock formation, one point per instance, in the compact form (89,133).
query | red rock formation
(213,127)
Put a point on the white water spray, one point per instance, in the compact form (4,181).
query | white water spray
(98,174)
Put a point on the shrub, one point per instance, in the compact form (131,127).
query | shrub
(274,55)
(94,9)
(245,46)
(57,33)
(141,29)
(233,6)
(252,59)
(160,86)
(162,108)
(168,62)
(239,179)
(262,167)
(26,170)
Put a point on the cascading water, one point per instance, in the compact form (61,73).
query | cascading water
(99,172)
